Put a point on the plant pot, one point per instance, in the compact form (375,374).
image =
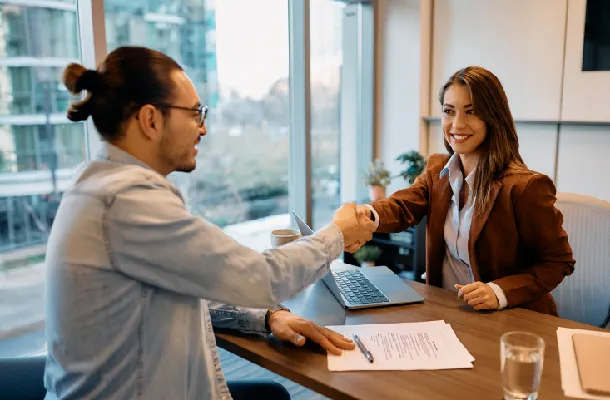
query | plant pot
(376,192)
(367,264)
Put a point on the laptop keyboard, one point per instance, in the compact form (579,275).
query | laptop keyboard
(355,287)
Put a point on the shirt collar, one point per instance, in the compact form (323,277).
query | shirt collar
(112,153)
(453,168)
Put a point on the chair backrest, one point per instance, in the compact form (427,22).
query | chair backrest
(584,296)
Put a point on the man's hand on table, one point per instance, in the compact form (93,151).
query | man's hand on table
(291,328)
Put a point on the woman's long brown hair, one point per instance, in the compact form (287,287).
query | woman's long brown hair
(501,145)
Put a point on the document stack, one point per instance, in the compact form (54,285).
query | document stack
(409,346)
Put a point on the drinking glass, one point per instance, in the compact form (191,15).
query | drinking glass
(522,356)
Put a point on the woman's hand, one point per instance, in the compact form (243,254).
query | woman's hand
(364,216)
(479,295)
(356,228)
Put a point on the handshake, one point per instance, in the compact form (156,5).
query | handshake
(355,224)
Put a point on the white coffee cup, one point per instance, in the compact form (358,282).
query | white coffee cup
(280,237)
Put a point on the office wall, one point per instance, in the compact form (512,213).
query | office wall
(583,161)
(535,48)
(585,94)
(521,42)
(583,149)
(402,71)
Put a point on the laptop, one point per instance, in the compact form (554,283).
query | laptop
(357,288)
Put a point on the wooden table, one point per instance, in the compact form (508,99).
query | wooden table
(479,331)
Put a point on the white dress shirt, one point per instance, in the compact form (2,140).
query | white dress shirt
(456,266)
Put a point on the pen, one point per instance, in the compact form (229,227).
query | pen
(363,349)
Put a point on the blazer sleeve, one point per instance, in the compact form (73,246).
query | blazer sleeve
(408,206)
(540,226)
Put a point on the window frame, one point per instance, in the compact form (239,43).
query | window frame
(92,31)
(299,182)
(93,45)
(93,48)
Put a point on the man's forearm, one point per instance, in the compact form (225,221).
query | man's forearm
(247,320)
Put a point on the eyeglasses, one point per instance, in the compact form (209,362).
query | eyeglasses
(202,111)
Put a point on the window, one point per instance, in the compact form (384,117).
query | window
(39,150)
(40,31)
(33,90)
(596,47)
(38,147)
(326,60)
(241,72)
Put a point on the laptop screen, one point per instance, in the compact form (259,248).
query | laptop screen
(303,227)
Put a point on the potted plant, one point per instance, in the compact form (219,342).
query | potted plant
(377,177)
(414,165)
(367,255)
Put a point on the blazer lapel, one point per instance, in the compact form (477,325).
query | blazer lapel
(439,206)
(477,225)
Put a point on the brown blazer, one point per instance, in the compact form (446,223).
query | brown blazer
(518,241)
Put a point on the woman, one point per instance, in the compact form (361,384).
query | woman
(495,236)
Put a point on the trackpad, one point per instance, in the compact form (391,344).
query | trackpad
(317,304)
(396,289)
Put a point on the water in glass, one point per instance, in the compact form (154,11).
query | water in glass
(522,361)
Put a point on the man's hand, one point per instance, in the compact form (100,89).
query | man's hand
(479,295)
(296,330)
(356,228)
(363,213)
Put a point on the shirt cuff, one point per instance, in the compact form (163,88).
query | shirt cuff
(332,237)
(499,294)
(252,320)
(370,207)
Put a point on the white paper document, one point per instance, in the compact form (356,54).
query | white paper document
(570,378)
(409,346)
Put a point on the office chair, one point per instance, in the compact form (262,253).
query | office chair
(584,296)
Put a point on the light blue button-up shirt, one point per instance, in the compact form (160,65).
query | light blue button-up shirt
(456,266)
(127,269)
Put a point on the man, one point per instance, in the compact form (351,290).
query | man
(128,266)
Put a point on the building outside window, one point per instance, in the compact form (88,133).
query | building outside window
(39,152)
(240,71)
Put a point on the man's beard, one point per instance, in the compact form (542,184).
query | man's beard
(187,168)
(185,165)
(188,164)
